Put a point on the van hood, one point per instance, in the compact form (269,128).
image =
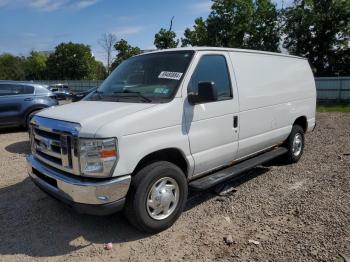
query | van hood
(91,115)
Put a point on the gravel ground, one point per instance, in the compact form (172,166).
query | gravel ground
(297,212)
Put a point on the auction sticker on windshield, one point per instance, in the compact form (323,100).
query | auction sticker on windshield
(170,75)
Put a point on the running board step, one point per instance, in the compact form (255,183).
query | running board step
(233,171)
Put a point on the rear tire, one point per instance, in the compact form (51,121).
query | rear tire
(295,144)
(157,197)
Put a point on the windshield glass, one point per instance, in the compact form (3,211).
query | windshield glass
(146,78)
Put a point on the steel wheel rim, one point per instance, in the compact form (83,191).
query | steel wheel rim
(297,144)
(162,198)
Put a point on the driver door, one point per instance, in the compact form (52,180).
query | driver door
(213,127)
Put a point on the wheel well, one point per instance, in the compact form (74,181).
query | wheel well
(301,121)
(172,155)
(31,111)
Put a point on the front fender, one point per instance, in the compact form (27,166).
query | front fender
(27,111)
(133,148)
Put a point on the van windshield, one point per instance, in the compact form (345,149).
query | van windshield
(147,78)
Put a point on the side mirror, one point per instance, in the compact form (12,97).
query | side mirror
(206,93)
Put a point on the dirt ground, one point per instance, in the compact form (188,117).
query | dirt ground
(297,212)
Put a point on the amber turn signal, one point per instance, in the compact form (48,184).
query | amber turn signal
(108,153)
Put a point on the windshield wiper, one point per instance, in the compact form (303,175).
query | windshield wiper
(134,92)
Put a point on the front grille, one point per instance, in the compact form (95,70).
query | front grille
(54,147)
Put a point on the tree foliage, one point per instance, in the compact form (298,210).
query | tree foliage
(11,67)
(198,36)
(229,22)
(99,71)
(319,30)
(165,39)
(124,52)
(264,31)
(71,61)
(316,29)
(35,66)
(239,24)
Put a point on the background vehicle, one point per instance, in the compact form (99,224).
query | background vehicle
(80,95)
(60,90)
(19,100)
(170,119)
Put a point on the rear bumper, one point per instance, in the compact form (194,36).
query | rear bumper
(89,196)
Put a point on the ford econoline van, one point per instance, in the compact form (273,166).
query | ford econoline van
(169,120)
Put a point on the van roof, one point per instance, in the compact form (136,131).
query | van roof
(225,49)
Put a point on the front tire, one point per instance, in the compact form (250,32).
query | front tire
(157,197)
(295,144)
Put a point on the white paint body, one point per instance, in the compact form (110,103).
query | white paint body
(270,91)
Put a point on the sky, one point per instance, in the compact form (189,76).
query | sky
(40,25)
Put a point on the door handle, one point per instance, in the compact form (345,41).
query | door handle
(28,99)
(235,121)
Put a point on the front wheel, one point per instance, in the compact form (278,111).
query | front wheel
(157,197)
(295,144)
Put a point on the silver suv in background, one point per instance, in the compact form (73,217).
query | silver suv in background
(20,100)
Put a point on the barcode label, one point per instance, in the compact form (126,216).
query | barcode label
(170,75)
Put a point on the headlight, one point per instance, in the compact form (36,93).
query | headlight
(97,156)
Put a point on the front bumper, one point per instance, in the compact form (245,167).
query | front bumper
(86,195)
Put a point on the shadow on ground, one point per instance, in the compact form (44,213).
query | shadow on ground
(22,147)
(8,130)
(197,197)
(36,225)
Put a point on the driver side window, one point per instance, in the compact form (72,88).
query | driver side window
(213,68)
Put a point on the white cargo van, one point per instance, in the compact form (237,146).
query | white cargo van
(168,120)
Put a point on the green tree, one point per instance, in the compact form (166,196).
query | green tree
(71,61)
(165,39)
(124,52)
(11,67)
(237,23)
(319,30)
(229,21)
(198,36)
(99,71)
(35,66)
(264,32)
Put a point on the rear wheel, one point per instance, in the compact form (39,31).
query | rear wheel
(295,144)
(157,197)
